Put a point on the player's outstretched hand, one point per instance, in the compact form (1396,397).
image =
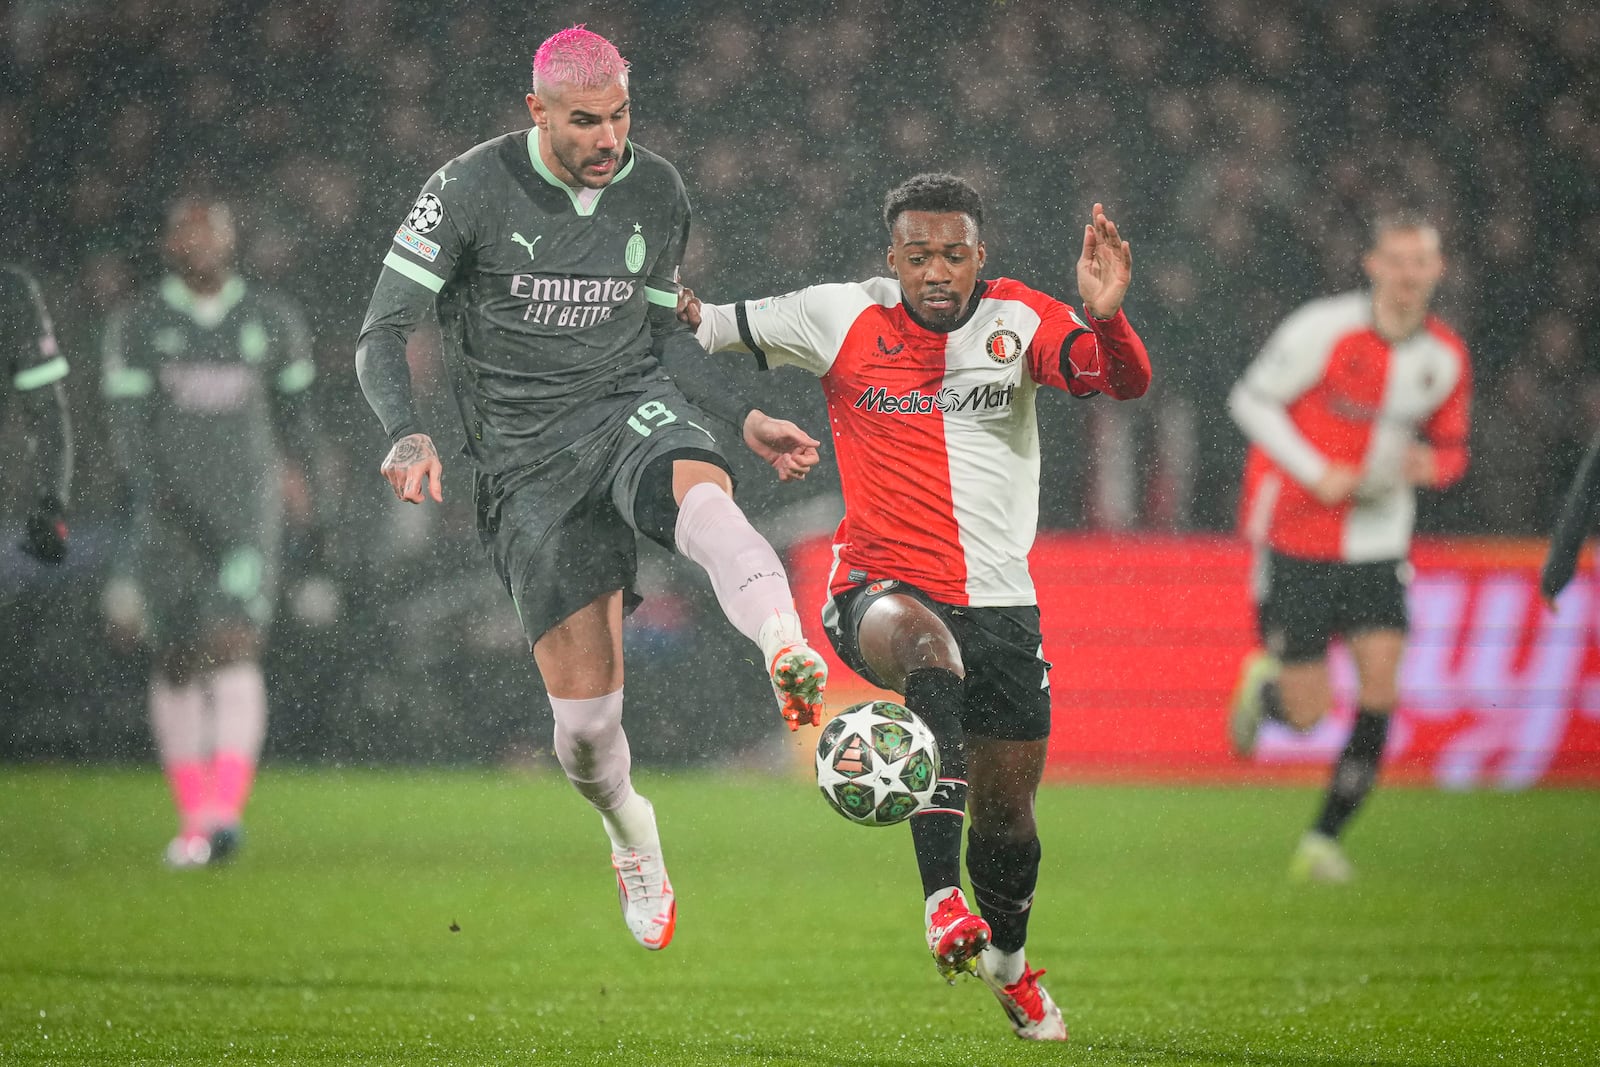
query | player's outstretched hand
(1105,268)
(688,308)
(44,533)
(787,448)
(409,467)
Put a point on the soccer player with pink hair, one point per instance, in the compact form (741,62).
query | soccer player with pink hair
(552,255)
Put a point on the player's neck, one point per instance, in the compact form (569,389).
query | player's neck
(1396,324)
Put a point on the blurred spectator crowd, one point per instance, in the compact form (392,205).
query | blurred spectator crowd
(1242,145)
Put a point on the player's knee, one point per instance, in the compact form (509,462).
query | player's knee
(1305,693)
(665,481)
(1003,818)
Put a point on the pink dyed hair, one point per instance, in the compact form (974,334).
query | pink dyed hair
(578,57)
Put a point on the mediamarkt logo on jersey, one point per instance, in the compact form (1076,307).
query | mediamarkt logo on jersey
(570,302)
(986,397)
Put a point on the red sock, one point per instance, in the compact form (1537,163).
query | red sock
(191,792)
(233,775)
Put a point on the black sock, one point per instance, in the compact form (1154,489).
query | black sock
(1355,773)
(937,697)
(1004,876)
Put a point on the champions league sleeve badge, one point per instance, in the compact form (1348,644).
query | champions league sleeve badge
(426,214)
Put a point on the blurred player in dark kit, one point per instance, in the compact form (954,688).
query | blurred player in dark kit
(930,379)
(33,368)
(206,384)
(1579,513)
(1334,407)
(551,255)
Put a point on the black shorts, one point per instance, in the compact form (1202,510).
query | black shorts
(1007,686)
(563,532)
(1308,602)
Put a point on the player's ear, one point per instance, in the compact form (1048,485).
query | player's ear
(890,259)
(983,254)
(536,110)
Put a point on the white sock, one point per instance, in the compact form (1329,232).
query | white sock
(1006,966)
(746,574)
(632,824)
(177,721)
(239,708)
(593,750)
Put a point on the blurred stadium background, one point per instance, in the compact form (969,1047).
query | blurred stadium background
(1242,144)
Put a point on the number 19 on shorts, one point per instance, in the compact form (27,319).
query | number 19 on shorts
(651,416)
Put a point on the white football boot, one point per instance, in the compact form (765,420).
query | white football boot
(188,851)
(1319,859)
(643,890)
(1033,1015)
(799,674)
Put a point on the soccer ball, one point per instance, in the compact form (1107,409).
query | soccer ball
(877,764)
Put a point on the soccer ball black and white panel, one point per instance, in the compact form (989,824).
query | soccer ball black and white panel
(426,213)
(877,764)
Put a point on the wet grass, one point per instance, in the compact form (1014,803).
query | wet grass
(466,918)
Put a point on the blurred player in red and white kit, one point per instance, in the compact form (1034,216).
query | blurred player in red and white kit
(1355,401)
(930,379)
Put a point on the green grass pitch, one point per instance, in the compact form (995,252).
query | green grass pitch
(1163,916)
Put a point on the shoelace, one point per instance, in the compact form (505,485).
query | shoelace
(1025,992)
(949,910)
(630,868)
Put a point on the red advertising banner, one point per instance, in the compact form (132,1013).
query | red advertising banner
(1146,633)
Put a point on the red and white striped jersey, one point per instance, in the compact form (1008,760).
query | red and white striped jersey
(935,433)
(1328,388)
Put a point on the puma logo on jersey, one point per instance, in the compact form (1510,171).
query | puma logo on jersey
(886,350)
(525,243)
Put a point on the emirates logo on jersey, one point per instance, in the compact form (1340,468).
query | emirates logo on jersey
(1003,346)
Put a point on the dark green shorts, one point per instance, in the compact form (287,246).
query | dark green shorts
(196,578)
(563,532)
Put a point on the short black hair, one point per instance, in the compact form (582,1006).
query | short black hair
(933,192)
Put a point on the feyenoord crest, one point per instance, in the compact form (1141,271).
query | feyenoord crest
(633,255)
(1003,346)
(426,214)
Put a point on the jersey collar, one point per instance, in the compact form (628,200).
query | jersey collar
(572,194)
(182,299)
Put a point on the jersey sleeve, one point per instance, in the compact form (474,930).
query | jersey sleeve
(422,257)
(662,282)
(27,339)
(1447,429)
(35,368)
(126,385)
(805,328)
(294,371)
(1293,360)
(1086,356)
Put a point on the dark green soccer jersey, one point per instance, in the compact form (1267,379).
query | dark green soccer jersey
(544,294)
(204,396)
